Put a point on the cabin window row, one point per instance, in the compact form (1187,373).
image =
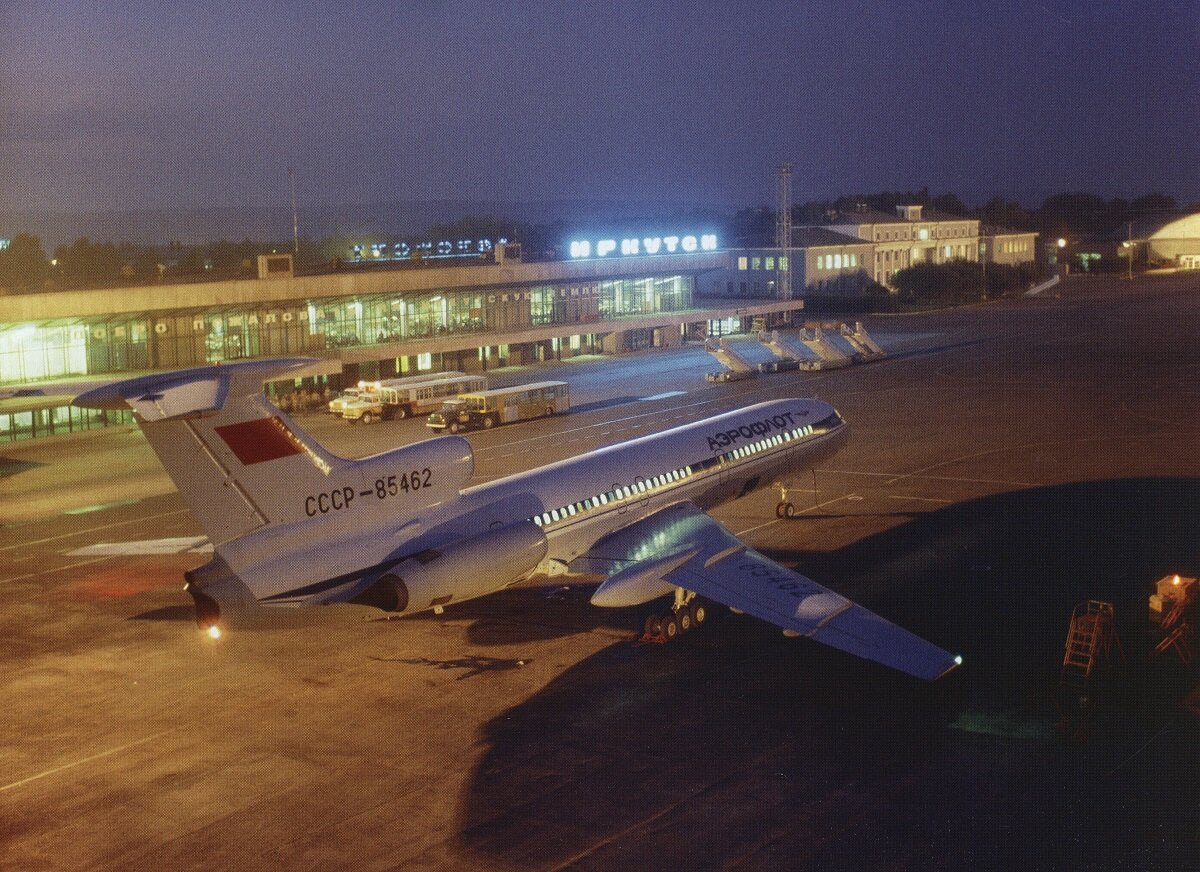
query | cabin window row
(645,485)
(619,492)
(769,442)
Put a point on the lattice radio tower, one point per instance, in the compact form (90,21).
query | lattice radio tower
(783,230)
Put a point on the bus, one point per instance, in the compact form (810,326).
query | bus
(486,409)
(405,381)
(337,406)
(415,399)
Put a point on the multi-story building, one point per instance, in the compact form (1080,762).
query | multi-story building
(913,235)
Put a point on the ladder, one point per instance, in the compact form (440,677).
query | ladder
(1178,629)
(1089,642)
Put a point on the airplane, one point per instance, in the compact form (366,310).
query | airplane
(404,531)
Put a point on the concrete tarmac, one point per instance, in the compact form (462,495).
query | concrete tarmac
(1006,462)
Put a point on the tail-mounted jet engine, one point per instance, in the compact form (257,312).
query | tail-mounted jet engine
(473,567)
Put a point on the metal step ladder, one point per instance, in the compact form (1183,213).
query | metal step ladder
(1178,630)
(1090,641)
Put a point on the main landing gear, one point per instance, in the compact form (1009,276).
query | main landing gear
(687,611)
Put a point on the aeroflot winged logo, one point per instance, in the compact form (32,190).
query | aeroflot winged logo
(259,440)
(727,438)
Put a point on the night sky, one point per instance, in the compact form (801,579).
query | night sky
(123,105)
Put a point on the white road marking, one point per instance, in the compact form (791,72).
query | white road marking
(741,533)
(107,753)
(93,529)
(178,545)
(662,396)
(51,571)
(894,477)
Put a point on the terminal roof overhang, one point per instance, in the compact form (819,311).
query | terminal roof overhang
(150,299)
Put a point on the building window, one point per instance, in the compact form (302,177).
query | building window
(783,263)
(770,264)
(756,263)
(742,262)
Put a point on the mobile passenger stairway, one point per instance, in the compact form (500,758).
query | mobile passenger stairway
(831,357)
(788,355)
(736,366)
(861,341)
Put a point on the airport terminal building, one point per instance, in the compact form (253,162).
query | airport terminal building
(368,323)
(610,296)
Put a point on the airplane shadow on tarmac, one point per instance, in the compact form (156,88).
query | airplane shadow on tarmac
(736,746)
(8,466)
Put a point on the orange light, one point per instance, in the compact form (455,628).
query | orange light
(214,632)
(1175,581)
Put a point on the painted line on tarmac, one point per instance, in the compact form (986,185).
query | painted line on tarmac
(72,765)
(895,477)
(667,395)
(799,512)
(918,499)
(52,571)
(93,529)
(173,545)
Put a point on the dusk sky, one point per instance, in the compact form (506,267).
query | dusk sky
(116,106)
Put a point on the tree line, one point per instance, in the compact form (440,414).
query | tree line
(26,267)
(1064,214)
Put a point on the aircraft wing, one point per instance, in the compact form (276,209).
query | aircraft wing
(681,546)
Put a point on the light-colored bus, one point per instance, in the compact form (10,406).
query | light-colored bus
(337,406)
(416,399)
(486,409)
(405,381)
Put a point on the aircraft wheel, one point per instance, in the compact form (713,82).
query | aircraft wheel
(653,626)
(454,428)
(670,627)
(368,418)
(785,510)
(549,411)
(401,412)
(684,618)
(698,612)
(488,422)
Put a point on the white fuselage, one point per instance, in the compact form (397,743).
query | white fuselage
(578,501)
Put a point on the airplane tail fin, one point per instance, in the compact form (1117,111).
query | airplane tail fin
(237,460)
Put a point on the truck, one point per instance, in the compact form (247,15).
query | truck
(406,401)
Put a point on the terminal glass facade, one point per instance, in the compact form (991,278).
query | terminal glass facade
(56,421)
(178,338)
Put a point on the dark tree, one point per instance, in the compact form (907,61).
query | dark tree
(84,263)
(23,265)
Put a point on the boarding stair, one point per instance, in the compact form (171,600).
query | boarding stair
(785,350)
(736,366)
(861,341)
(818,343)
(1090,642)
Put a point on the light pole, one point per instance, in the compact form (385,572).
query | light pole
(1129,245)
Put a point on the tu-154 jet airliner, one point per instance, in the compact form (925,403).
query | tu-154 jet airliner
(293,525)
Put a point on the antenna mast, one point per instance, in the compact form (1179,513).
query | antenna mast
(783,230)
(295,214)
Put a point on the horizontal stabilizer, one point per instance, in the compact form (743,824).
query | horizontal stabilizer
(200,389)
